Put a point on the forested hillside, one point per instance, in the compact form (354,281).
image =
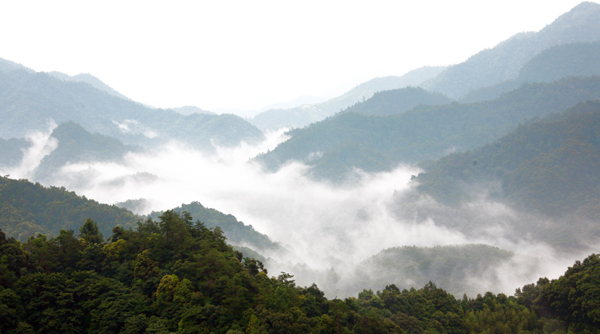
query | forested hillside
(28,209)
(453,268)
(176,276)
(334,146)
(29,100)
(236,232)
(551,166)
(504,61)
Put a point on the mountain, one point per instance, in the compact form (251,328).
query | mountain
(453,268)
(297,102)
(89,79)
(237,232)
(551,166)
(8,66)
(176,276)
(274,119)
(188,110)
(367,89)
(425,132)
(578,59)
(11,151)
(306,114)
(504,61)
(397,101)
(28,209)
(29,100)
(75,144)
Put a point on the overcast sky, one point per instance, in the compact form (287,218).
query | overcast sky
(247,54)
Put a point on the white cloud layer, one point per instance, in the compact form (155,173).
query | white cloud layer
(323,226)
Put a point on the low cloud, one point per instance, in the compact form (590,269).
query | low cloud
(42,144)
(328,230)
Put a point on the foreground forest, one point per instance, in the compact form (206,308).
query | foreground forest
(174,275)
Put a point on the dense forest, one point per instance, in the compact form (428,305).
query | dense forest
(505,148)
(29,208)
(237,232)
(174,275)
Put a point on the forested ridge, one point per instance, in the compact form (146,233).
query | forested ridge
(563,148)
(236,232)
(174,275)
(336,145)
(28,208)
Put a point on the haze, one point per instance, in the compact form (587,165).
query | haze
(247,55)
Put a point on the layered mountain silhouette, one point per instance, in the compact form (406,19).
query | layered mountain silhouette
(336,146)
(504,61)
(309,113)
(573,59)
(29,100)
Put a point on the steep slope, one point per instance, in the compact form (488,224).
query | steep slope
(577,59)
(425,132)
(237,232)
(397,101)
(307,114)
(29,100)
(28,209)
(551,166)
(503,62)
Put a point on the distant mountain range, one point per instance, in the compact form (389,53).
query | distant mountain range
(28,100)
(89,79)
(306,114)
(573,59)
(503,62)
(188,110)
(337,145)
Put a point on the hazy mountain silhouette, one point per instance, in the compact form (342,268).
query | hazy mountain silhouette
(504,61)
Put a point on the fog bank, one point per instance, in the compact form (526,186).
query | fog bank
(328,231)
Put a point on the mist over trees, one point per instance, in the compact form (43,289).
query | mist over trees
(505,195)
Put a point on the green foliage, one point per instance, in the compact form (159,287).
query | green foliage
(236,232)
(28,209)
(177,276)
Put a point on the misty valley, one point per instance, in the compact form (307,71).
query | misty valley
(452,199)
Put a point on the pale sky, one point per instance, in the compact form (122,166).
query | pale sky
(248,54)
